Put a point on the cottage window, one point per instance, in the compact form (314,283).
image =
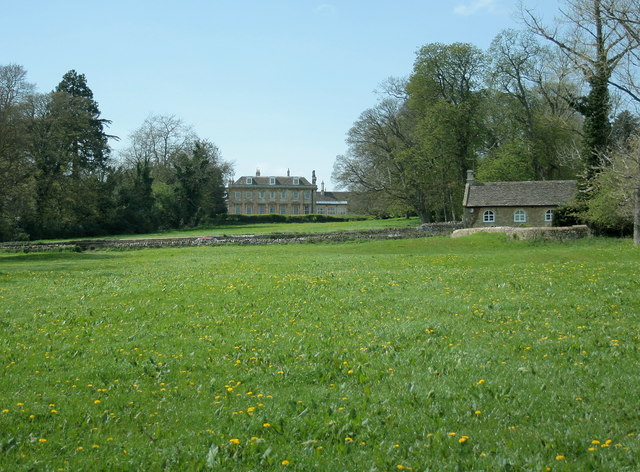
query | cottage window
(489,217)
(519,216)
(548,215)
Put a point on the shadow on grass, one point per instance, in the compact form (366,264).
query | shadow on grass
(54,256)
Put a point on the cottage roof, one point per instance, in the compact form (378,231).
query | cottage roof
(258,181)
(530,193)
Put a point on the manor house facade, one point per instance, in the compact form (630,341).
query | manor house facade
(284,195)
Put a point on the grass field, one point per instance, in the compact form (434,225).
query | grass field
(277,228)
(428,354)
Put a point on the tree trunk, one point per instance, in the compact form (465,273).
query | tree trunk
(636,216)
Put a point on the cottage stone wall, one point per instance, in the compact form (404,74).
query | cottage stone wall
(473,217)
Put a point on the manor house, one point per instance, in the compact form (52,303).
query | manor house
(285,195)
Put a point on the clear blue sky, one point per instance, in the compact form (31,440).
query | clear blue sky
(276,84)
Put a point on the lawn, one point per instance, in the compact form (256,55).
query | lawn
(427,354)
(277,228)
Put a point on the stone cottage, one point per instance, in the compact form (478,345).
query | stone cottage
(529,203)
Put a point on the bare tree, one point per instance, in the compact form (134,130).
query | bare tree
(597,44)
(157,142)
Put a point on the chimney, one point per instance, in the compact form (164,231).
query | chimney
(313,177)
(322,187)
(257,172)
(470,176)
(288,173)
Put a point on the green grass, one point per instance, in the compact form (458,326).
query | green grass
(359,356)
(276,228)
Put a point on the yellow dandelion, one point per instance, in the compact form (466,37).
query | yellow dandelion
(348,439)
(5,411)
(560,458)
(480,382)
(463,439)
(42,440)
(234,441)
(285,462)
(266,425)
(97,402)
(478,412)
(79,448)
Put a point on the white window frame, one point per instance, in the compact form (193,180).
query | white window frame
(238,195)
(272,180)
(296,181)
(548,215)
(489,216)
(249,180)
(519,216)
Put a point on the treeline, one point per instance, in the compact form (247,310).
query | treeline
(58,177)
(544,103)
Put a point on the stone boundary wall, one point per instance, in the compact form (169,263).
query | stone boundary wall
(440,229)
(280,238)
(560,233)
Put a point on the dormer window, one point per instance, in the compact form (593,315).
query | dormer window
(296,181)
(249,180)
(272,180)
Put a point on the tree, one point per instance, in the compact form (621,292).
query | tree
(78,113)
(200,178)
(597,45)
(182,175)
(157,142)
(616,198)
(417,143)
(526,112)
(69,150)
(379,158)
(447,101)
(626,13)
(16,182)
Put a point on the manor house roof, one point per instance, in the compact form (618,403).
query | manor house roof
(257,181)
